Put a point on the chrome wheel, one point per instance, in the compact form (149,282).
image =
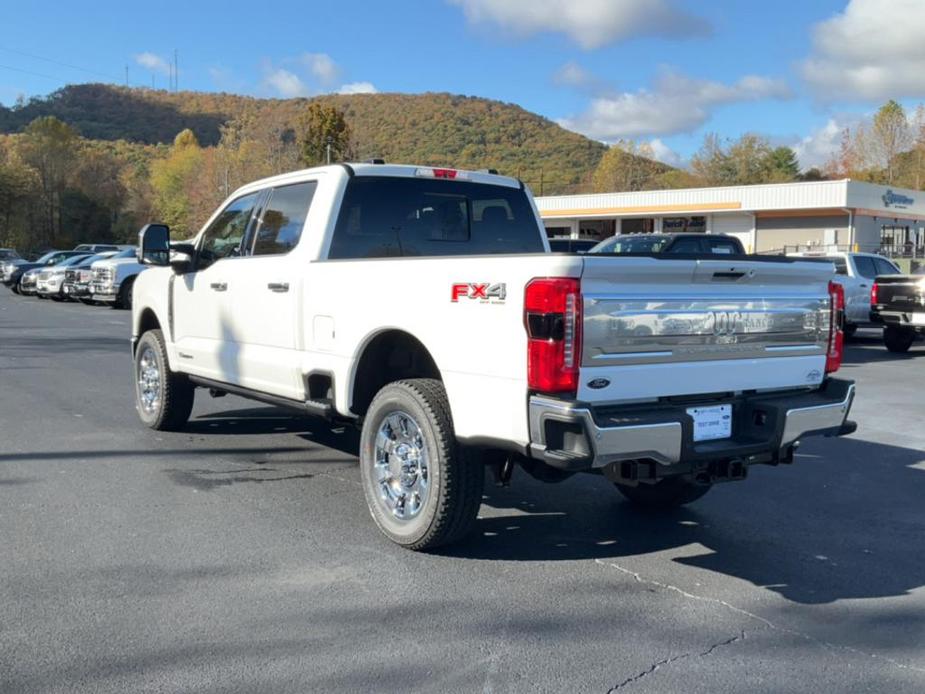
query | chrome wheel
(149,381)
(402,467)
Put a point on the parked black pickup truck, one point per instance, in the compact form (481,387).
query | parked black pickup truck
(898,303)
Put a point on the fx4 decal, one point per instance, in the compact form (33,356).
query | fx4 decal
(485,292)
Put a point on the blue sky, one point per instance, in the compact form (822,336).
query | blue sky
(659,71)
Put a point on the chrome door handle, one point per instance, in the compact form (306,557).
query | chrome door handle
(278,287)
(219,286)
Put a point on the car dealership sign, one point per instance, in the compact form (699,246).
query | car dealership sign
(897,200)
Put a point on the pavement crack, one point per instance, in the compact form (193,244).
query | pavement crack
(828,645)
(667,661)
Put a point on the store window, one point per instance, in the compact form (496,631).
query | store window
(638,225)
(901,242)
(558,232)
(597,229)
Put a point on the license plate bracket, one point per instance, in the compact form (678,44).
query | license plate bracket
(711,423)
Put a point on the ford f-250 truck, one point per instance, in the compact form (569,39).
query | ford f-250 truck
(423,305)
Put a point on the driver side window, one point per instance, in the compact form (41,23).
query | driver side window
(222,239)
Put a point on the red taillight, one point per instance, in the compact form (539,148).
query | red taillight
(552,315)
(834,354)
(874,292)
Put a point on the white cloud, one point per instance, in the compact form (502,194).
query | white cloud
(573,75)
(308,75)
(153,62)
(873,50)
(676,104)
(664,153)
(823,143)
(357,88)
(590,23)
(321,66)
(286,84)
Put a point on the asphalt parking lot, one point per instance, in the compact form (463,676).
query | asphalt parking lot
(239,554)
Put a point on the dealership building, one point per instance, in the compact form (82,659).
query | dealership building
(771,218)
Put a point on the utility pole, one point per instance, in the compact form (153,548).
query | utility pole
(126,75)
(327,148)
(176,71)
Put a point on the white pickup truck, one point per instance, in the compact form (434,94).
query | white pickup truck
(423,305)
(855,272)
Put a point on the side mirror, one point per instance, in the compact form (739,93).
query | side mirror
(154,245)
(181,257)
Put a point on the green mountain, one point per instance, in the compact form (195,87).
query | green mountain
(433,128)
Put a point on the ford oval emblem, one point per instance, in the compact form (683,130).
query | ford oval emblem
(599,383)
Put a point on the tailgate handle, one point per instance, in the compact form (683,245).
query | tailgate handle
(219,286)
(278,287)
(728,275)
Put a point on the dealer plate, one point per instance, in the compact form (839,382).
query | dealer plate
(711,423)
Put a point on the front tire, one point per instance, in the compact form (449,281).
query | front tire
(423,489)
(668,493)
(898,340)
(163,398)
(124,300)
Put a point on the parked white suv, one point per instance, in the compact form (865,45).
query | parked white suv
(422,305)
(856,273)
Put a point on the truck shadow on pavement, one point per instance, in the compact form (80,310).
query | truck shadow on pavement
(867,347)
(843,526)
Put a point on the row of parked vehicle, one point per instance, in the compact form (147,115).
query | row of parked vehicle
(90,273)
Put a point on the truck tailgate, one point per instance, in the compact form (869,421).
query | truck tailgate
(656,327)
(901,292)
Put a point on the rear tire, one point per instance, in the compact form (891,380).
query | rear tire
(163,398)
(668,493)
(898,340)
(423,489)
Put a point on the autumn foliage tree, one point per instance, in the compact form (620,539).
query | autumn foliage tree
(323,129)
(172,178)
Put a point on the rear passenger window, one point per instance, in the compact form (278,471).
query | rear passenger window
(865,266)
(688,245)
(391,216)
(280,225)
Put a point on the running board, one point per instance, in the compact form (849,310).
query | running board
(317,408)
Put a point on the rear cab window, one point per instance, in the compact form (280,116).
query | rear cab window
(841,265)
(383,216)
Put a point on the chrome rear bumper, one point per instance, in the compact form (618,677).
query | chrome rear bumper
(575,436)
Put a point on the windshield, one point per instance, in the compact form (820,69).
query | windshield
(73,260)
(637,243)
(124,253)
(9,255)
